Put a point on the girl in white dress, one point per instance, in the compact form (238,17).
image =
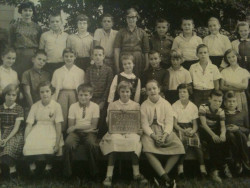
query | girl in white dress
(159,139)
(128,142)
(43,138)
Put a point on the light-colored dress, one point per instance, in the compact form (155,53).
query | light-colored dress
(158,118)
(129,142)
(42,137)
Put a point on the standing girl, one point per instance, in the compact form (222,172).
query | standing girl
(43,131)
(159,139)
(24,37)
(11,141)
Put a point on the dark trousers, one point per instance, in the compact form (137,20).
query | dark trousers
(172,96)
(201,97)
(73,140)
(216,60)
(83,63)
(8,160)
(187,64)
(51,67)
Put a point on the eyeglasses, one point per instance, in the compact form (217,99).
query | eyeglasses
(131,17)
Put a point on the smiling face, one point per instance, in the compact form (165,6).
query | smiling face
(98,57)
(153,91)
(10,97)
(27,13)
(39,61)
(232,58)
(244,31)
(187,26)
(84,97)
(55,23)
(45,94)
(69,59)
(176,62)
(154,60)
(231,103)
(215,102)
(124,94)
(214,27)
(203,54)
(132,19)
(128,66)
(183,94)
(107,23)
(9,59)
(161,28)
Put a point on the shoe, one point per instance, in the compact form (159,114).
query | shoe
(141,179)
(238,168)
(107,182)
(215,176)
(227,171)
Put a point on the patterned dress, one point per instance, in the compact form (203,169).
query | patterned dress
(8,116)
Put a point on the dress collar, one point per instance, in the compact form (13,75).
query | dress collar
(129,101)
(9,107)
(129,76)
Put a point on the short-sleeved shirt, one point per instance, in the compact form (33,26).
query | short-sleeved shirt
(82,45)
(213,118)
(235,76)
(177,77)
(91,111)
(204,80)
(217,44)
(53,44)
(187,46)
(106,40)
(51,113)
(33,78)
(187,114)
(7,76)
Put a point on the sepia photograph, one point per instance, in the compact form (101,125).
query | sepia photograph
(124,93)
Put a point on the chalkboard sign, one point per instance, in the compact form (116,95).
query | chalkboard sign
(124,122)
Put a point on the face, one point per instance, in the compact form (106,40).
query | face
(82,25)
(215,102)
(162,28)
(69,58)
(27,13)
(9,59)
(45,93)
(183,94)
(152,90)
(154,60)
(84,97)
(132,19)
(231,103)
(232,58)
(244,31)
(203,54)
(98,56)
(176,62)
(10,97)
(128,65)
(125,94)
(213,27)
(55,23)
(39,61)
(187,26)
(107,23)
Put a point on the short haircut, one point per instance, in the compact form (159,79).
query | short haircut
(228,52)
(214,19)
(187,18)
(7,50)
(9,88)
(161,20)
(107,15)
(40,52)
(176,54)
(200,46)
(25,5)
(85,88)
(229,95)
(184,86)
(98,48)
(153,81)
(130,10)
(240,24)
(217,93)
(152,52)
(46,83)
(69,50)
(127,56)
(124,85)
(55,14)
(82,17)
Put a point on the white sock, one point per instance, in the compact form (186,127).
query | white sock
(110,171)
(180,169)
(203,169)
(48,167)
(12,169)
(136,170)
(32,166)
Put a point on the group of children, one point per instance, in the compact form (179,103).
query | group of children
(71,89)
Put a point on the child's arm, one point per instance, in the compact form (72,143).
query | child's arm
(138,91)
(108,83)
(27,130)
(195,127)
(204,125)
(216,85)
(58,136)
(177,127)
(13,132)
(223,131)
(238,86)
(113,89)
(27,94)
(146,61)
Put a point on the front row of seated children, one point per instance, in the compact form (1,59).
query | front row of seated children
(43,138)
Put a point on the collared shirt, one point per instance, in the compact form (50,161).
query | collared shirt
(100,79)
(185,114)
(238,118)
(7,76)
(64,78)
(82,45)
(164,113)
(91,111)
(204,80)
(113,87)
(106,40)
(187,46)
(33,78)
(177,77)
(235,76)
(53,44)
(128,41)
(24,35)
(217,44)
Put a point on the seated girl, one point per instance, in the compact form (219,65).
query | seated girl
(185,123)
(128,142)
(159,139)
(43,138)
(11,140)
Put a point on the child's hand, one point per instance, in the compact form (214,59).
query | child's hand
(3,143)
(71,129)
(163,138)
(101,105)
(216,138)
(223,137)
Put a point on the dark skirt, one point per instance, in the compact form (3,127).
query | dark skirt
(216,60)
